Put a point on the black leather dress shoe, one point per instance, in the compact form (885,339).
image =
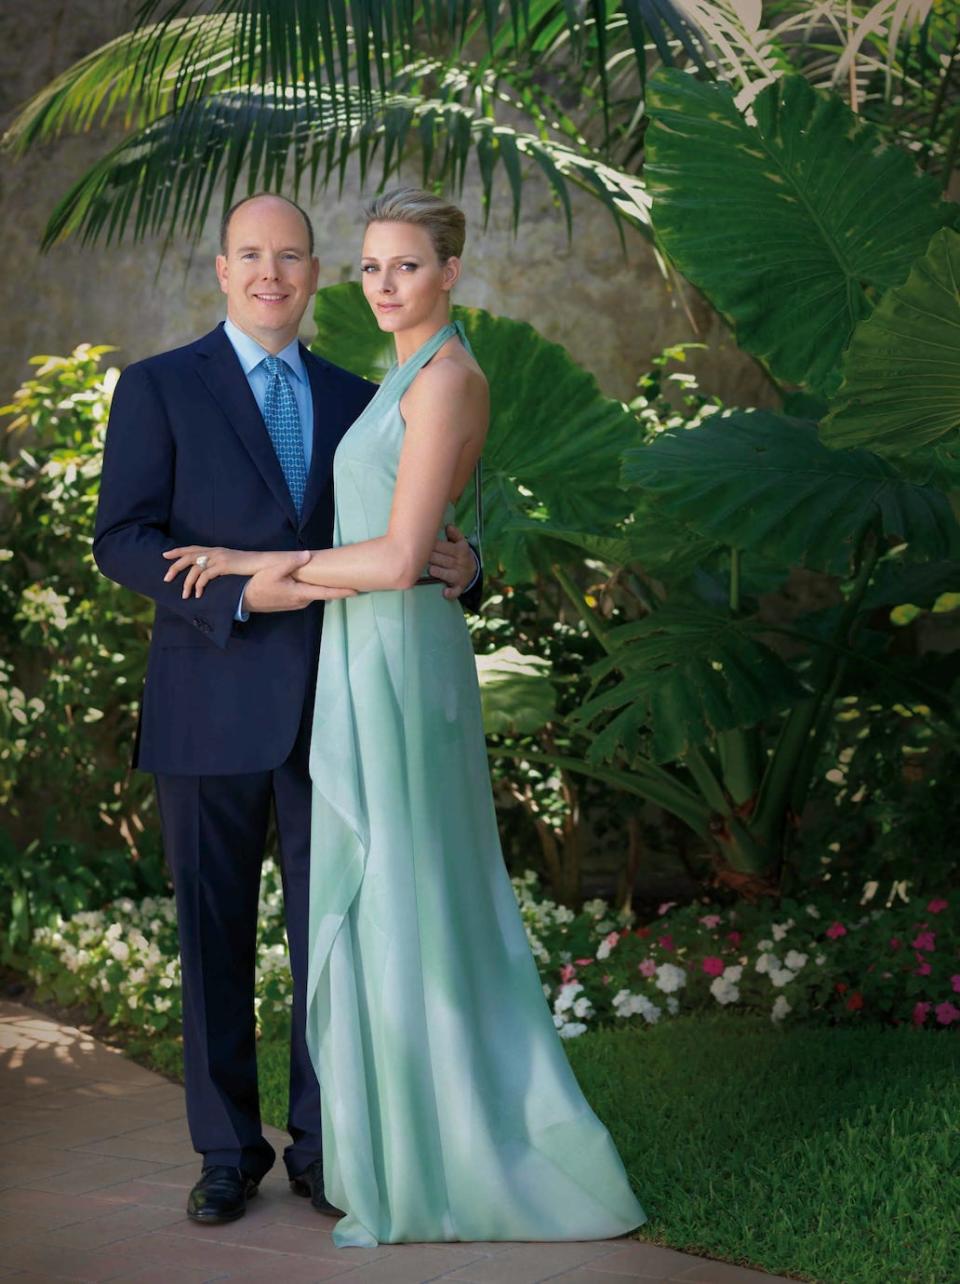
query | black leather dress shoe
(310,1183)
(220,1195)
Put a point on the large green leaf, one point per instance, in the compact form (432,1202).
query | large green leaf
(758,480)
(920,586)
(789,226)
(554,445)
(516,693)
(686,674)
(901,385)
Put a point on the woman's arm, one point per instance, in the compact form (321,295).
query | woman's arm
(446,412)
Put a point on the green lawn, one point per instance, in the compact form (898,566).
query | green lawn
(828,1154)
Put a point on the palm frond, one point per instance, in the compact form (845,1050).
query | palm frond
(164,177)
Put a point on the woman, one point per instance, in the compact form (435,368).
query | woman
(450,1111)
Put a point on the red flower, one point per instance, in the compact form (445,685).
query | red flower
(736,937)
(855,1001)
(643,931)
(665,941)
(841,987)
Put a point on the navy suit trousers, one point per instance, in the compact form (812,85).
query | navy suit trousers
(214,831)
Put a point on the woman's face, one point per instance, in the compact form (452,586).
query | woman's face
(404,282)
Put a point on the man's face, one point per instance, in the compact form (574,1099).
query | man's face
(267,273)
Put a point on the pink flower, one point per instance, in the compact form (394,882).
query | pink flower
(937,904)
(924,941)
(735,937)
(920,1012)
(713,966)
(895,943)
(709,920)
(567,973)
(662,909)
(835,930)
(666,941)
(648,967)
(923,969)
(583,962)
(955,982)
(947,1012)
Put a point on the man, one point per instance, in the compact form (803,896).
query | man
(230,441)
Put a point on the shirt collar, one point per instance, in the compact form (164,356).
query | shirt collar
(251,353)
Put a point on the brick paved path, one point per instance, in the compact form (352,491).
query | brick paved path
(94,1173)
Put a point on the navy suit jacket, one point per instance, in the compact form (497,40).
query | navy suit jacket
(188,460)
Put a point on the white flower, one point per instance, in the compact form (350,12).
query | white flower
(820,960)
(795,960)
(114,932)
(724,991)
(780,976)
(137,976)
(120,951)
(572,1029)
(733,973)
(673,1005)
(596,908)
(766,961)
(162,1005)
(780,1008)
(813,911)
(670,977)
(583,1007)
(764,945)
(566,996)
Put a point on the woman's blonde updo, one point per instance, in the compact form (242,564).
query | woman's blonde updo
(444,223)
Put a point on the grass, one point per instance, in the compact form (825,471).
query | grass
(826,1154)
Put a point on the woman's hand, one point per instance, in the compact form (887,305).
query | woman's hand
(219,561)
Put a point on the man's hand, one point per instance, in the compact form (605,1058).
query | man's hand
(454,562)
(274,589)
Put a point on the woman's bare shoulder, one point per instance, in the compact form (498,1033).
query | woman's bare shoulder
(451,376)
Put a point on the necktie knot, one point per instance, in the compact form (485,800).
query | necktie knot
(274,365)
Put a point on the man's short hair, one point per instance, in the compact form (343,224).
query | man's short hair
(225,221)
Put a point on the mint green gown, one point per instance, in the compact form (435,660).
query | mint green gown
(449,1108)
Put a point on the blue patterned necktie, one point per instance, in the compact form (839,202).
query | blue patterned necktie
(282,418)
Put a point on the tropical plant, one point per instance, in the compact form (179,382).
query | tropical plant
(287,94)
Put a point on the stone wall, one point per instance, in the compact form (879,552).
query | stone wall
(612,312)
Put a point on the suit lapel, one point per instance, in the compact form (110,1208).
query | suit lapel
(223,375)
(323,445)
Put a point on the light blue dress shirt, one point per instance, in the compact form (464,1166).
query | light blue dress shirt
(250,355)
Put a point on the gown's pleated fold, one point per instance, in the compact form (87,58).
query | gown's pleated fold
(450,1111)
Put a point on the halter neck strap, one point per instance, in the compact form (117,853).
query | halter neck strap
(401,376)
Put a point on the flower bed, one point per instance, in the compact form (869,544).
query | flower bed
(898,964)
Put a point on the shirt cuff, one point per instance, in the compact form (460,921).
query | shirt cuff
(241,616)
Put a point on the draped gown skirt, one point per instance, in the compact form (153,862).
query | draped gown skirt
(450,1111)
